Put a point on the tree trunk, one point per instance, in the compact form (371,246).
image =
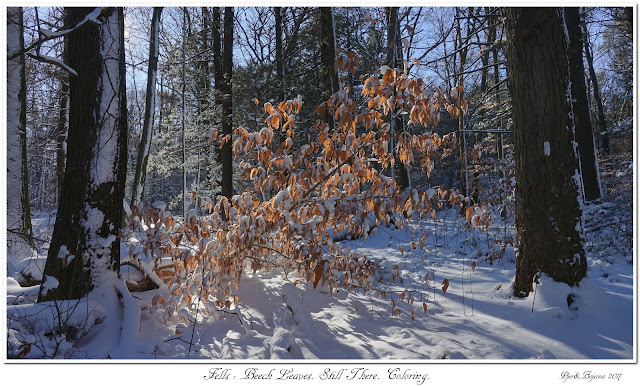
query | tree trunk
(204,102)
(496,79)
(400,172)
(149,110)
(327,53)
(184,112)
(279,67)
(602,124)
(329,77)
(19,244)
(582,120)
(227,106)
(548,197)
(85,245)
(63,119)
(218,80)
(462,54)
(279,56)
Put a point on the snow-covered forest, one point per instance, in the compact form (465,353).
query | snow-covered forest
(332,183)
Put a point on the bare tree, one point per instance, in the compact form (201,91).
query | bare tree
(227,106)
(149,110)
(581,115)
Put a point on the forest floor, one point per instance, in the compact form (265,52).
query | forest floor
(476,318)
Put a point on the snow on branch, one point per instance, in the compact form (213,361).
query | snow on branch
(53,60)
(47,35)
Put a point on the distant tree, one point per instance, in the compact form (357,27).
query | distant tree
(149,110)
(548,187)
(595,89)
(393,60)
(85,245)
(581,114)
(227,105)
(19,243)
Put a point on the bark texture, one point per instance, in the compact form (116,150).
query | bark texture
(548,198)
(85,245)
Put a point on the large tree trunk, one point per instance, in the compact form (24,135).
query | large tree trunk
(582,120)
(227,105)
(19,244)
(85,245)
(602,124)
(149,110)
(548,196)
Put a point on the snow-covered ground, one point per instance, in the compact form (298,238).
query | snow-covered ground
(477,317)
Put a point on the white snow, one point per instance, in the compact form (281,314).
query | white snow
(50,283)
(103,169)
(477,317)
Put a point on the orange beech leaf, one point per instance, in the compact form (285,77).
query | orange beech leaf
(424,307)
(445,285)
(473,266)
(469,213)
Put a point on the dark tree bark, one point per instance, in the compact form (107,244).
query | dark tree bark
(216,32)
(582,120)
(149,110)
(548,201)
(327,53)
(602,124)
(227,106)
(328,75)
(279,67)
(279,55)
(19,244)
(85,245)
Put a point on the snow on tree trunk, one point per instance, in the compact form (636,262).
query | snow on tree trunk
(584,133)
(548,188)
(85,246)
(19,245)
(150,107)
